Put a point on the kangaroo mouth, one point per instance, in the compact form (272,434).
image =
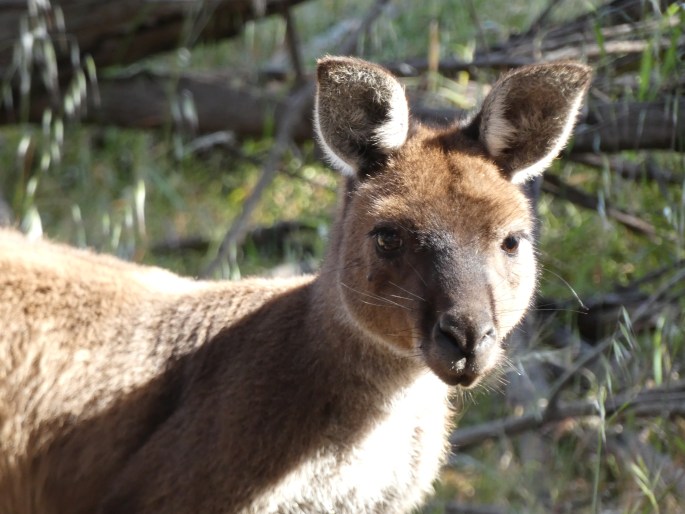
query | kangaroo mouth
(463,372)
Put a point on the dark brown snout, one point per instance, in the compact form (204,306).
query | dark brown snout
(466,333)
(460,346)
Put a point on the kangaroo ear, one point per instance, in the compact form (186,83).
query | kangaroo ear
(529,115)
(360,113)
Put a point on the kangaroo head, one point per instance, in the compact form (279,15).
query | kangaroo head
(434,256)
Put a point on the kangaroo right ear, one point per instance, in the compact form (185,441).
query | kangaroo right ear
(360,113)
(529,115)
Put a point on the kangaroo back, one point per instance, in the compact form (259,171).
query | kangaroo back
(127,389)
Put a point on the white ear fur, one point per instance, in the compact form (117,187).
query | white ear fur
(360,113)
(393,133)
(498,133)
(529,115)
(537,168)
(336,162)
(390,135)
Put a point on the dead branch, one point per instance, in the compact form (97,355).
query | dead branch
(299,104)
(513,58)
(149,96)
(625,27)
(238,230)
(607,127)
(616,12)
(293,43)
(554,185)
(541,21)
(666,401)
(262,237)
(118,33)
(464,508)
(614,127)
(640,313)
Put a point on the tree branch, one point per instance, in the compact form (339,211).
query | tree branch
(614,127)
(662,401)
(293,43)
(554,185)
(608,127)
(298,105)
(236,233)
(464,508)
(118,33)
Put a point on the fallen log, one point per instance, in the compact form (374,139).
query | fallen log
(151,102)
(122,32)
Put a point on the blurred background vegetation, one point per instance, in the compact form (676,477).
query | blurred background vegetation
(179,134)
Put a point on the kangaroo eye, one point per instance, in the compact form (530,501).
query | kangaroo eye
(510,245)
(388,241)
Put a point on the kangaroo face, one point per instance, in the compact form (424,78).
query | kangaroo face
(445,278)
(436,259)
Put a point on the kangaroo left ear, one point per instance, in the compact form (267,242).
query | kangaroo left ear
(529,115)
(360,113)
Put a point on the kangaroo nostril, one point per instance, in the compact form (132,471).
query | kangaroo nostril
(454,342)
(488,337)
(467,334)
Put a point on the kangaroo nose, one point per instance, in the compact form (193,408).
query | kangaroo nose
(468,333)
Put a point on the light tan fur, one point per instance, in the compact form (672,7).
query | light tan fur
(127,389)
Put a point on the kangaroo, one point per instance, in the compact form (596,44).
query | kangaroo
(128,389)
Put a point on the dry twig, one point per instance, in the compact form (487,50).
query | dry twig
(662,401)
(299,103)
(554,185)
(235,235)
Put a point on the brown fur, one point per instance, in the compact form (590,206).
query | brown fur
(127,389)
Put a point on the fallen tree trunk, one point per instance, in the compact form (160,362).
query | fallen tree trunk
(148,101)
(206,103)
(126,31)
(613,127)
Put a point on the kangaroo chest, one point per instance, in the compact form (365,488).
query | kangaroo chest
(388,469)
